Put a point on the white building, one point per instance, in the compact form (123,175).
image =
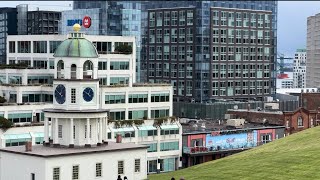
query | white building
(29,91)
(299,69)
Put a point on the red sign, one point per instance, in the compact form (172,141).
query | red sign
(86,22)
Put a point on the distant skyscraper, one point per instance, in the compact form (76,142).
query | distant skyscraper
(299,68)
(313,49)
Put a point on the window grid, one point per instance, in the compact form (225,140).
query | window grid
(120,167)
(73,95)
(98,169)
(60,131)
(56,173)
(75,172)
(137,165)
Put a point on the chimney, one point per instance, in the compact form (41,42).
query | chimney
(118,138)
(28,146)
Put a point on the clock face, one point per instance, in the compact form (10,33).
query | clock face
(88,94)
(60,94)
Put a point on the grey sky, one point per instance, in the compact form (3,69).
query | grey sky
(292,19)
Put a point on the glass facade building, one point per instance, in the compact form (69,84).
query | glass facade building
(127,15)
(117,18)
(8,26)
(202,52)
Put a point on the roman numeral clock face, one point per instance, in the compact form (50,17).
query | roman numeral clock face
(88,94)
(60,94)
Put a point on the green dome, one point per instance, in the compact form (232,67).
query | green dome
(76,47)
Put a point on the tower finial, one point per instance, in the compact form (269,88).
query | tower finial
(76,27)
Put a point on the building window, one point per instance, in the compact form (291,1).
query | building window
(120,167)
(60,131)
(39,46)
(159,113)
(74,132)
(24,47)
(33,176)
(138,98)
(300,121)
(169,146)
(137,165)
(73,95)
(115,99)
(75,172)
(120,115)
(85,132)
(102,65)
(265,138)
(56,173)
(12,47)
(160,97)
(119,65)
(98,169)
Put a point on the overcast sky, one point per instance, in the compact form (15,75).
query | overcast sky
(292,19)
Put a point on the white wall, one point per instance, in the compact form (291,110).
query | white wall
(20,167)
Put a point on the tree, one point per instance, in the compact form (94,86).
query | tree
(124,48)
(5,123)
(2,99)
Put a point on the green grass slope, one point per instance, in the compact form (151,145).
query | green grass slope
(294,157)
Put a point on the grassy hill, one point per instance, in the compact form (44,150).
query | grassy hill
(294,157)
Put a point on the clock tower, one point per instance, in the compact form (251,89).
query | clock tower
(76,115)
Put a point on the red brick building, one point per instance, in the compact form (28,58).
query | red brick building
(294,121)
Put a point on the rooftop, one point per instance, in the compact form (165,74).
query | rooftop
(257,111)
(45,151)
(196,127)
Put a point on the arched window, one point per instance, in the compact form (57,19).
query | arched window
(60,69)
(88,70)
(73,71)
(300,121)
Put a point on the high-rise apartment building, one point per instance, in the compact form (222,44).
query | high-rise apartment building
(20,21)
(202,80)
(313,44)
(299,68)
(43,22)
(9,25)
(131,18)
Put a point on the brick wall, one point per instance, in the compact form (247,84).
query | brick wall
(258,116)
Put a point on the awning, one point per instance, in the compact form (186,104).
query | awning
(147,128)
(17,136)
(38,134)
(170,127)
(123,129)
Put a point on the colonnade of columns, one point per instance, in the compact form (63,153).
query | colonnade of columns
(100,129)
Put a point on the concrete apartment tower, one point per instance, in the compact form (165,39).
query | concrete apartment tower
(299,69)
(313,49)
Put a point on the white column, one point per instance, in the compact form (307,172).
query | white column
(71,132)
(46,130)
(88,131)
(100,130)
(105,129)
(56,129)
